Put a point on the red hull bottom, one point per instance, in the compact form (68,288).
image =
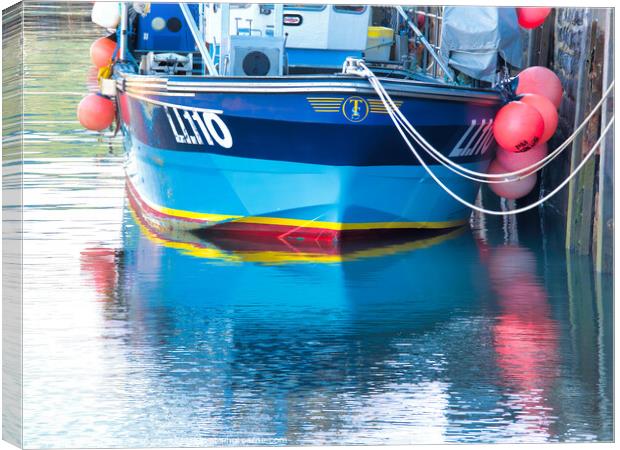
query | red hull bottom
(313,236)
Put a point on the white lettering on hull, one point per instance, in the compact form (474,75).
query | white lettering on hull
(476,140)
(196,127)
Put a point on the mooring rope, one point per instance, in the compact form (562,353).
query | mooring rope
(440,157)
(357,67)
(481,176)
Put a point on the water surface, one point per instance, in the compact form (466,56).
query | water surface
(134,338)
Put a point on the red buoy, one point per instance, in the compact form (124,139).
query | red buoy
(518,127)
(101,52)
(532,17)
(542,81)
(96,112)
(516,161)
(511,190)
(546,109)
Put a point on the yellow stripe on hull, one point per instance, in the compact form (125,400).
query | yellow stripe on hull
(213,219)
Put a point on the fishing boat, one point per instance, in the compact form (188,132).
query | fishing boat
(244,118)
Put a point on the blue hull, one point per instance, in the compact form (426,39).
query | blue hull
(205,153)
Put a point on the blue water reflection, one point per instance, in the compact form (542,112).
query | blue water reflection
(434,338)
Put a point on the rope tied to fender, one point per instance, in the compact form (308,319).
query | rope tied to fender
(357,67)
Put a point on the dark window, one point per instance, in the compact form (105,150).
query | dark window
(174,24)
(304,7)
(352,9)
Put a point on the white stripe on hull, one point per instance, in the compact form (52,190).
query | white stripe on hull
(166,86)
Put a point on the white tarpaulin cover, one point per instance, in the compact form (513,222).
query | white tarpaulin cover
(472,37)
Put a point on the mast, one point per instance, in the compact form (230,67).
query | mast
(122,46)
(278,12)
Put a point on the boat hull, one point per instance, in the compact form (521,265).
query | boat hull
(280,165)
(233,194)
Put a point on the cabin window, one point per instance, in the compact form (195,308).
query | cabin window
(304,7)
(350,9)
(268,7)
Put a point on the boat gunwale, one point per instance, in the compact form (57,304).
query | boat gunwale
(168,86)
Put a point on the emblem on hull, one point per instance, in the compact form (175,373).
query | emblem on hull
(340,105)
(355,109)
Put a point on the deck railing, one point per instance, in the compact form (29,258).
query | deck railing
(431,19)
(426,23)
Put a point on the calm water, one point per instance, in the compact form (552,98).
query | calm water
(137,339)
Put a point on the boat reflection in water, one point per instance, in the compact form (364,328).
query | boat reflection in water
(427,340)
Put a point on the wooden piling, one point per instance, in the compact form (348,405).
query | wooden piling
(541,43)
(581,188)
(603,232)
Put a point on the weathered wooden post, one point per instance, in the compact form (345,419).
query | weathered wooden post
(603,233)
(590,209)
(580,213)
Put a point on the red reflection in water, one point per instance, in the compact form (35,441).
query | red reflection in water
(525,337)
(100,263)
(92,83)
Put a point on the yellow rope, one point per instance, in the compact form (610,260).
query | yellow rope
(104,72)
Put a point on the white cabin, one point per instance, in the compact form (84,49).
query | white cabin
(314,35)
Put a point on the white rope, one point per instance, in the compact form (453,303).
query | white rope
(439,156)
(512,212)
(391,111)
(454,167)
(411,133)
(360,69)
